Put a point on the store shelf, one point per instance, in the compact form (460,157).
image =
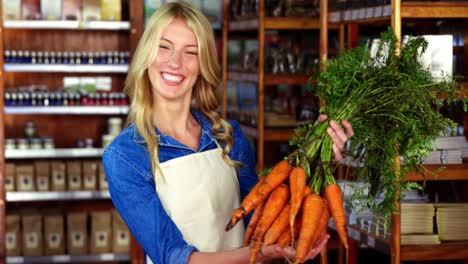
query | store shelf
(243,76)
(63,24)
(66,110)
(444,251)
(419,10)
(279,23)
(292,79)
(56,196)
(69,259)
(102,68)
(434,9)
(53,153)
(448,172)
(276,134)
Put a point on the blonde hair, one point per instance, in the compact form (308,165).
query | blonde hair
(138,86)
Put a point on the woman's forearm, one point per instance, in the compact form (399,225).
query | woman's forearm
(237,256)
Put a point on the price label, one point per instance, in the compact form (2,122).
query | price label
(370,241)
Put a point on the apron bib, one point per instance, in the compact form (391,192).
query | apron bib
(199,192)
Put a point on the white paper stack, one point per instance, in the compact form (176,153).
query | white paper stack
(434,157)
(451,221)
(423,239)
(417,218)
(454,142)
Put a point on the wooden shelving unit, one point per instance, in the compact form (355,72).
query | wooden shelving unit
(415,11)
(63,123)
(259,25)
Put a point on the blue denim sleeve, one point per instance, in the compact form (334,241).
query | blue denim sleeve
(132,191)
(243,152)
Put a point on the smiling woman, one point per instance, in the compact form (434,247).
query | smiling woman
(179,170)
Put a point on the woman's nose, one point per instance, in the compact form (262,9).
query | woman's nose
(175,60)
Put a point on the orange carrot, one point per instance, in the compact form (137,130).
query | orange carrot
(275,203)
(334,196)
(253,223)
(285,238)
(277,176)
(240,212)
(278,226)
(297,183)
(323,223)
(312,208)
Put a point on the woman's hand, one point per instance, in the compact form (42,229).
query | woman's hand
(276,251)
(338,135)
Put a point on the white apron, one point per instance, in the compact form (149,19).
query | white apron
(199,192)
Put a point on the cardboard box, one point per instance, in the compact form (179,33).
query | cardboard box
(90,175)
(42,175)
(77,234)
(13,235)
(100,232)
(91,10)
(54,234)
(74,177)
(111,10)
(58,178)
(71,9)
(51,9)
(10,171)
(11,10)
(103,185)
(120,234)
(25,177)
(32,235)
(30,9)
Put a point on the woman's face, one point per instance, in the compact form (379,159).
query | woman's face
(175,69)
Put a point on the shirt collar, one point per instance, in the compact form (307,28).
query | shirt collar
(205,139)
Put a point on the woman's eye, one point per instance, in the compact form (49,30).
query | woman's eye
(163,47)
(192,53)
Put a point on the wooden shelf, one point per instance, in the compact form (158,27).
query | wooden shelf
(419,10)
(56,196)
(66,110)
(53,153)
(122,68)
(434,9)
(243,76)
(70,25)
(69,259)
(292,79)
(451,172)
(279,23)
(444,251)
(270,134)
(294,23)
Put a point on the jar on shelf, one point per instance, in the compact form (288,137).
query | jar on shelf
(36,143)
(114,125)
(107,139)
(10,143)
(48,143)
(22,143)
(89,143)
(30,130)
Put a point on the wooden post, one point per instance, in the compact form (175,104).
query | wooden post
(2,153)
(224,59)
(261,88)
(396,218)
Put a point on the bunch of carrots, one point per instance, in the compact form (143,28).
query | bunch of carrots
(287,212)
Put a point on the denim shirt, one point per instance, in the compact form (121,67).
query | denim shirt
(132,186)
